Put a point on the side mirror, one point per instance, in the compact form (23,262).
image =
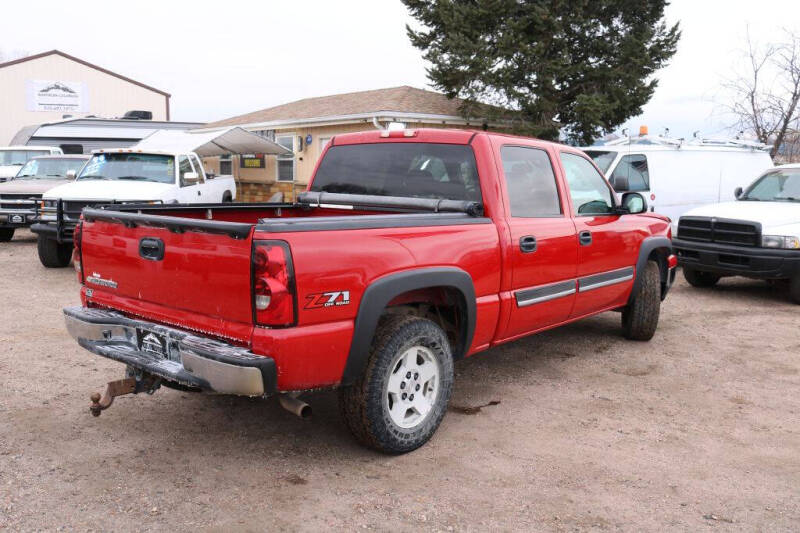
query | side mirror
(633,203)
(210,175)
(620,183)
(738,192)
(71,174)
(191,178)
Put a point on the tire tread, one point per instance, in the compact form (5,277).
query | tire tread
(640,317)
(359,403)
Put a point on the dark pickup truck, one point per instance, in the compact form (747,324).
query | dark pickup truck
(411,250)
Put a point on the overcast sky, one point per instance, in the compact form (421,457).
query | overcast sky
(222,59)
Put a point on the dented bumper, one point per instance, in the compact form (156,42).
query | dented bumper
(172,354)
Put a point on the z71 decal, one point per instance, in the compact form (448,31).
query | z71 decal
(327,299)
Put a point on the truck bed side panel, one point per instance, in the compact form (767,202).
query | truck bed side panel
(347,262)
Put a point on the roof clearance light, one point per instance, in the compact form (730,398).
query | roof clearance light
(642,130)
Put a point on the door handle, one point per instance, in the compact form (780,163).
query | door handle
(527,244)
(198,193)
(585,238)
(151,249)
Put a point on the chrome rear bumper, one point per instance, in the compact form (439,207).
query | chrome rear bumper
(172,354)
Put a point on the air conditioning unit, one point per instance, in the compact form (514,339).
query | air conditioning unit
(138,115)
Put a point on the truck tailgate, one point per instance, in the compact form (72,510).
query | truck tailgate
(196,269)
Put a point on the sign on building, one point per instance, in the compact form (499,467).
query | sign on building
(50,95)
(251,161)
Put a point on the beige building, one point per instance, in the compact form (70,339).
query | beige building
(49,86)
(306,126)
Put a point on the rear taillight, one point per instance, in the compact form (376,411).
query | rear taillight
(273,284)
(76,251)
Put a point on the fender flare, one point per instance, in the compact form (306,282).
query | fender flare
(655,242)
(378,295)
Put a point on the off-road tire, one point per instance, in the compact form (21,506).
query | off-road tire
(698,278)
(794,288)
(640,317)
(6,234)
(53,254)
(362,404)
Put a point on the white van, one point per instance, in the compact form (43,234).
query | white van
(675,175)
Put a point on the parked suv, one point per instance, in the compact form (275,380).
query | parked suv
(411,250)
(756,236)
(19,198)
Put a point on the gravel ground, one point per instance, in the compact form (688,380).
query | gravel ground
(698,429)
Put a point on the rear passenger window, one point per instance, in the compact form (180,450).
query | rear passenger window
(530,181)
(633,167)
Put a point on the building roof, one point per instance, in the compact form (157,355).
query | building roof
(403,100)
(82,62)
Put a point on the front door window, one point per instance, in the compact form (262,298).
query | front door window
(590,193)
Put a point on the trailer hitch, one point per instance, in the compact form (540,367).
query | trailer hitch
(120,387)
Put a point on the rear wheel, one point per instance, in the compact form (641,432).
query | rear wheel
(698,278)
(6,234)
(399,401)
(794,288)
(53,254)
(640,317)
(227,197)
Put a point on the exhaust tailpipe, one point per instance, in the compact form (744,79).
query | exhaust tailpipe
(295,406)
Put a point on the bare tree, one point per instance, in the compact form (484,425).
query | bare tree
(765,95)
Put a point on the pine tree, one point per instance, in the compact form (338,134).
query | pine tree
(578,66)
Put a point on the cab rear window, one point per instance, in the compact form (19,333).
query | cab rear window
(419,170)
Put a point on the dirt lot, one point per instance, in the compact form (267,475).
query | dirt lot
(698,429)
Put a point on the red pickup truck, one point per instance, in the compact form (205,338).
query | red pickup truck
(410,250)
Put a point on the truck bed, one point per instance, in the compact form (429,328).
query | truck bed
(203,279)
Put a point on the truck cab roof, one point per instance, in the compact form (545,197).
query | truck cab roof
(434,135)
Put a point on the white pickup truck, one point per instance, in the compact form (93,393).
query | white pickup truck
(13,157)
(756,236)
(123,176)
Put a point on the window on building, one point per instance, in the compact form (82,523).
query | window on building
(590,193)
(226,165)
(285,163)
(323,142)
(530,181)
(633,167)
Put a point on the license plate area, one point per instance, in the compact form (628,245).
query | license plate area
(153,344)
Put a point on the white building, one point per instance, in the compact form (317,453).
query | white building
(45,87)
